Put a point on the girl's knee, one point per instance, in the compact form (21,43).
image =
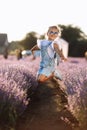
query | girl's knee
(42,78)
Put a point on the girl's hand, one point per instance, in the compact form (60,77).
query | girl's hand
(33,57)
(65,59)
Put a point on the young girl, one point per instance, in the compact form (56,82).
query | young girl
(49,47)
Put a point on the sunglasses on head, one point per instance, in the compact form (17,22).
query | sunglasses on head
(51,32)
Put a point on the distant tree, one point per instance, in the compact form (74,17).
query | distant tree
(72,34)
(29,41)
(42,36)
(13,46)
(76,38)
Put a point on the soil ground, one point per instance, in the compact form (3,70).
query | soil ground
(47,111)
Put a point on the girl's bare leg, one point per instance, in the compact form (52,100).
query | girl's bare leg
(43,78)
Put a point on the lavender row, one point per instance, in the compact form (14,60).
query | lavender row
(75,78)
(15,83)
(74,73)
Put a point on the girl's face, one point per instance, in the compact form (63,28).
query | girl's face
(52,34)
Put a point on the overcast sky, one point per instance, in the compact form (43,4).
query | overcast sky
(18,17)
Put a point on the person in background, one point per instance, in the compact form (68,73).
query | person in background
(19,54)
(50,48)
(86,55)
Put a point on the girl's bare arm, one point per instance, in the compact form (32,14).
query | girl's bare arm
(34,48)
(56,48)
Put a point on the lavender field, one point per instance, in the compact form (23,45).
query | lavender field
(18,78)
(75,78)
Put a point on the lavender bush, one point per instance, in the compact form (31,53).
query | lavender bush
(15,83)
(74,73)
(18,76)
(75,78)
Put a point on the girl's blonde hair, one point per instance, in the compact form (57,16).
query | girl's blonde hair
(56,27)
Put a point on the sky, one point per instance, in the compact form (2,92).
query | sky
(19,17)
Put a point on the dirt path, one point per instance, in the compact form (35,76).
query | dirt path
(63,120)
(46,112)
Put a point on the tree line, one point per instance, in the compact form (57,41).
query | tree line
(76,38)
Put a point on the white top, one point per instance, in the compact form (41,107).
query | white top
(58,41)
